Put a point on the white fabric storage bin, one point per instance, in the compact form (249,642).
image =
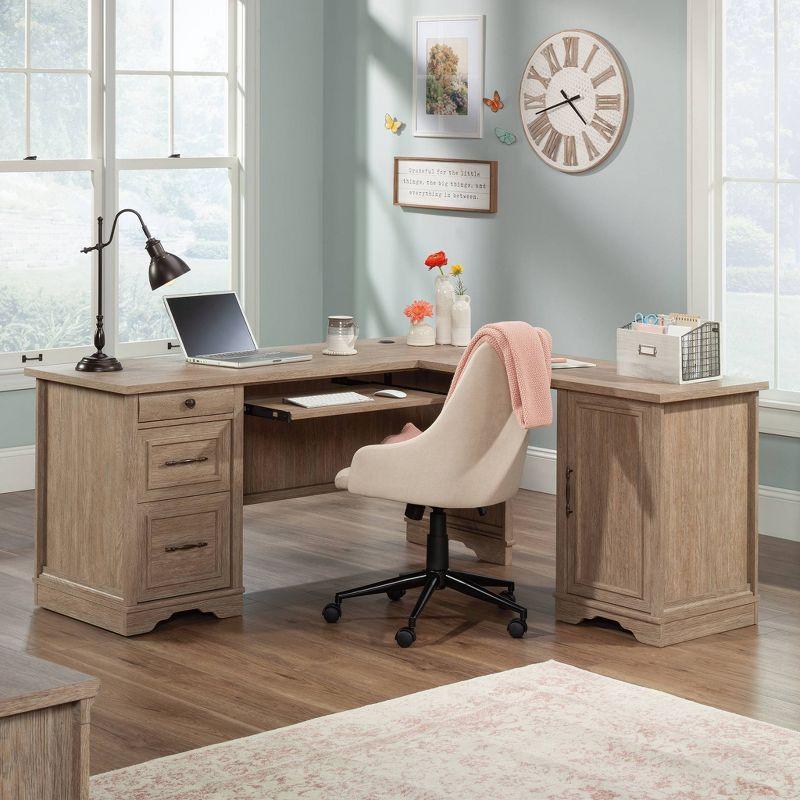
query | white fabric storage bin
(689,358)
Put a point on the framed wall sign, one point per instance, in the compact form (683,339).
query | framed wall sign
(450,184)
(448,76)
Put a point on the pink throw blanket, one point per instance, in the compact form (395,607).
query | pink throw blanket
(525,352)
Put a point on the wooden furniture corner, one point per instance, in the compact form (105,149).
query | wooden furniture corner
(44,729)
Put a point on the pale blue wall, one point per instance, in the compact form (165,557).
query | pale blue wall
(292,129)
(575,254)
(16,418)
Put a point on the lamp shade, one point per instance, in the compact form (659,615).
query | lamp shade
(164,266)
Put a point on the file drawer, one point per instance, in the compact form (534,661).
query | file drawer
(185,405)
(184,460)
(184,546)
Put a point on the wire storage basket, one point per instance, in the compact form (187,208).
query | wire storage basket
(700,352)
(693,356)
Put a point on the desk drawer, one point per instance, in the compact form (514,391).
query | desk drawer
(184,546)
(184,460)
(185,405)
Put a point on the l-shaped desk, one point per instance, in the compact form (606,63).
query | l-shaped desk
(141,477)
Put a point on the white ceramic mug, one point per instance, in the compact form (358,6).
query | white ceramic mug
(342,335)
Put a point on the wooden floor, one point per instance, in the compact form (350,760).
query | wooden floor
(197,680)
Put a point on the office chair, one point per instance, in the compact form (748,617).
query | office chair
(470,457)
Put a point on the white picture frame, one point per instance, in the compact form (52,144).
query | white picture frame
(461,104)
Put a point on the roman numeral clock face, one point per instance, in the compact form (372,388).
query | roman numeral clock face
(573,100)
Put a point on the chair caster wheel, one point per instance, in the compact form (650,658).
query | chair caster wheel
(332,612)
(509,595)
(395,594)
(517,628)
(405,637)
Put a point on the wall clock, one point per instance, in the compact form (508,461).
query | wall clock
(573,100)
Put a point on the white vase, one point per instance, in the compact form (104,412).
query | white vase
(444,306)
(461,317)
(421,334)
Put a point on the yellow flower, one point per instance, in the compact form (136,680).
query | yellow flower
(456,269)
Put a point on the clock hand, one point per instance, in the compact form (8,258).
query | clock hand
(574,107)
(562,103)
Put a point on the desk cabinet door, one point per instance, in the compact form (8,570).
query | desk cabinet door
(608,499)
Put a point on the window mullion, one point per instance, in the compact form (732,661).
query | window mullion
(172,77)
(110,173)
(27,78)
(776,196)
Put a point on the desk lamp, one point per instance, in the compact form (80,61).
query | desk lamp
(164,268)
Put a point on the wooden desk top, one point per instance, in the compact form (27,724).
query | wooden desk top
(172,373)
(28,683)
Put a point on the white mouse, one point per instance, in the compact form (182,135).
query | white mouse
(396,393)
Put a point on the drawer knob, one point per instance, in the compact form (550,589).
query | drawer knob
(190,402)
(177,462)
(172,548)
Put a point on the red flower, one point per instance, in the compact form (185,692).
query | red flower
(434,260)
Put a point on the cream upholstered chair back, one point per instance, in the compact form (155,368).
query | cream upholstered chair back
(471,456)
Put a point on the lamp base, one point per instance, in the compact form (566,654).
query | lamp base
(98,362)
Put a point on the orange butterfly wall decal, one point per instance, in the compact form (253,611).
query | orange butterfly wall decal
(495,103)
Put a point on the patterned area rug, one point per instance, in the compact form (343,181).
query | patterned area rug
(546,731)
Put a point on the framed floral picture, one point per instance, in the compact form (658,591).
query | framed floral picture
(448,76)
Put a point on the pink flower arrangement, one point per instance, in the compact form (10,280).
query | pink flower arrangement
(418,310)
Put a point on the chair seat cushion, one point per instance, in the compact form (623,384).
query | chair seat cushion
(341,478)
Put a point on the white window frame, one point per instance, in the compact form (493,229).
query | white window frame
(780,410)
(242,162)
(12,364)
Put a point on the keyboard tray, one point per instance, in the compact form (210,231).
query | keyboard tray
(274,407)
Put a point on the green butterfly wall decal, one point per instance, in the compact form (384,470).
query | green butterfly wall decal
(506,137)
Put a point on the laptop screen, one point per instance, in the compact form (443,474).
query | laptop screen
(210,323)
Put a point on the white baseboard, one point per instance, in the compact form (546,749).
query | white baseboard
(779,512)
(539,472)
(778,509)
(17,468)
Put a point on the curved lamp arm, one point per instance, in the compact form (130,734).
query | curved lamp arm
(101,245)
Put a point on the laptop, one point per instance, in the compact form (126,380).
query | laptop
(212,329)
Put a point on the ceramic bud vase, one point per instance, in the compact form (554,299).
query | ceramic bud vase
(461,316)
(444,307)
(420,334)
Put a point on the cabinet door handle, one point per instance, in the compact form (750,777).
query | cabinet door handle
(172,548)
(568,491)
(177,462)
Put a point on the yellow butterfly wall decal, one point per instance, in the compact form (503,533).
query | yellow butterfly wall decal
(393,125)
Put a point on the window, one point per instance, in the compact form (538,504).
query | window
(744,190)
(761,190)
(165,136)
(47,77)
